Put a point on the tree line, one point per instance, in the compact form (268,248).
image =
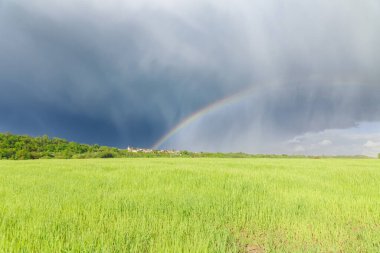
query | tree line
(23,147)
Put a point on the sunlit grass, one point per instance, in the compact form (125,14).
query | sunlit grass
(190,205)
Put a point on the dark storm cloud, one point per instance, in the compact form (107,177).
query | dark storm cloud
(124,73)
(93,75)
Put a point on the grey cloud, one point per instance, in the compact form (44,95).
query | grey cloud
(260,122)
(124,73)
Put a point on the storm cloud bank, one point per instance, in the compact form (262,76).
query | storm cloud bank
(126,72)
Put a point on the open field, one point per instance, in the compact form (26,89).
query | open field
(190,205)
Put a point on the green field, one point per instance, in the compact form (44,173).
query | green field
(190,205)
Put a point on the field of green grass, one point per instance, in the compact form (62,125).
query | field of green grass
(190,205)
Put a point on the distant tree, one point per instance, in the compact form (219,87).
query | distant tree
(185,153)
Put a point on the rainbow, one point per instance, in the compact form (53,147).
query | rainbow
(202,112)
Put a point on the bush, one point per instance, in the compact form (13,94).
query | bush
(106,154)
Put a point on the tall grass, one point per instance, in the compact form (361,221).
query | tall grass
(190,205)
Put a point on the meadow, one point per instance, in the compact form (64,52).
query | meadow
(190,205)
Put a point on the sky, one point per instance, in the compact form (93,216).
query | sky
(257,76)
